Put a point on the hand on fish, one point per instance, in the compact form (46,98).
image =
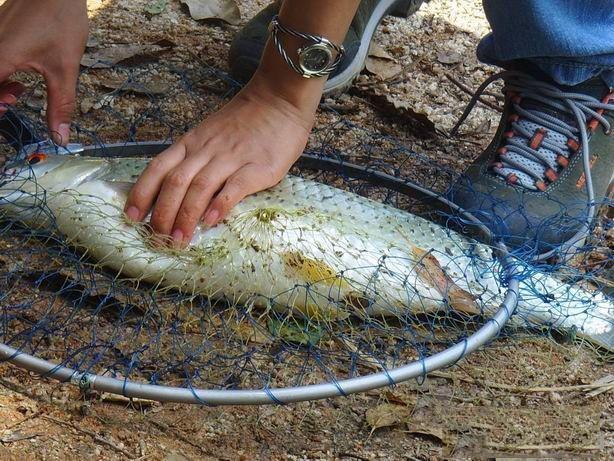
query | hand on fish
(221,161)
(247,146)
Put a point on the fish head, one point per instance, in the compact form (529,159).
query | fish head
(36,165)
(48,170)
(41,172)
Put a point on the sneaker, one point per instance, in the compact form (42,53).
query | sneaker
(539,183)
(248,45)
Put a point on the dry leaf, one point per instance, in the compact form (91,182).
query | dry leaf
(108,57)
(380,63)
(390,104)
(407,400)
(386,415)
(377,51)
(154,86)
(382,68)
(226,10)
(606,383)
(123,400)
(429,431)
(17,436)
(86,105)
(449,57)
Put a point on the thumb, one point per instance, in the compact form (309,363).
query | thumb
(61,94)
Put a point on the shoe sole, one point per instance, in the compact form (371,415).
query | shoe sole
(341,82)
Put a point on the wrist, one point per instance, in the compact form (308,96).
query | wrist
(264,92)
(275,77)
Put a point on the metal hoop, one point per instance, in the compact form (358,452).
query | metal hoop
(414,369)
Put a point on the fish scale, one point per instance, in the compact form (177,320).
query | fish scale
(301,246)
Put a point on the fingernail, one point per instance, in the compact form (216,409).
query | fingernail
(132,213)
(211,218)
(177,235)
(61,136)
(9,99)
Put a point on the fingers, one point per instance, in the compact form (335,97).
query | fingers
(144,193)
(248,180)
(204,185)
(61,93)
(172,193)
(9,92)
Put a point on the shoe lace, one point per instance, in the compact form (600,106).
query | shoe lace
(538,145)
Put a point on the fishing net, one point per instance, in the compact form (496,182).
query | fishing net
(66,315)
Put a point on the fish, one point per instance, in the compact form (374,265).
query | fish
(302,246)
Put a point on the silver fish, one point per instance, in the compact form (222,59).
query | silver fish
(301,245)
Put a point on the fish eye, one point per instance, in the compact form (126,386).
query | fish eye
(35,158)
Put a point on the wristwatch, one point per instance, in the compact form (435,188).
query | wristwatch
(318,58)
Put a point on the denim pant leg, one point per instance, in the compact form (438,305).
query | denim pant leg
(568,40)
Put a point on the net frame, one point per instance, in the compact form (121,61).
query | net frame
(266,395)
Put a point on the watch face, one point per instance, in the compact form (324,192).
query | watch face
(315,58)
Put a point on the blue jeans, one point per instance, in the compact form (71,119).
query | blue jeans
(570,41)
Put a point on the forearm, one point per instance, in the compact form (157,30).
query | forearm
(320,17)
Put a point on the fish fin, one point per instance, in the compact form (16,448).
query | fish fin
(430,271)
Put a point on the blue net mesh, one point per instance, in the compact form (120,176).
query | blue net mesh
(60,301)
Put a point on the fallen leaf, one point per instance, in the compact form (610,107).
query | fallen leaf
(156,7)
(407,400)
(108,57)
(153,86)
(449,57)
(606,383)
(123,400)
(391,105)
(16,437)
(86,105)
(380,63)
(386,415)
(382,68)
(226,10)
(429,431)
(377,51)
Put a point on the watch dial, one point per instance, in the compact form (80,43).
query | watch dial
(316,59)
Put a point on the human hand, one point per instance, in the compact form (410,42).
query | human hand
(247,146)
(48,37)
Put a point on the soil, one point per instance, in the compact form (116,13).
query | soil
(525,395)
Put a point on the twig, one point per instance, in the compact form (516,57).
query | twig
(92,434)
(558,446)
(522,389)
(19,423)
(351,455)
(468,90)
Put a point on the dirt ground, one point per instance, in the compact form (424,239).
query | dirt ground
(522,397)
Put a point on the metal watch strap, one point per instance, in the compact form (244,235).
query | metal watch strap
(276,27)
